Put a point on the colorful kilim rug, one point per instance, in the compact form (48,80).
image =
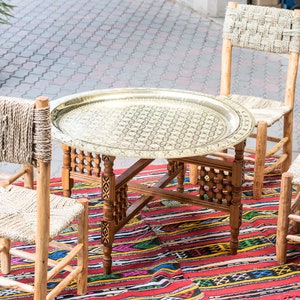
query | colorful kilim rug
(175,251)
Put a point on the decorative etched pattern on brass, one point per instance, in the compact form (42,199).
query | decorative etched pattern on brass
(215,185)
(149,123)
(85,162)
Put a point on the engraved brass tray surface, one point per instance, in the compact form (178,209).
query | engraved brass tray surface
(149,122)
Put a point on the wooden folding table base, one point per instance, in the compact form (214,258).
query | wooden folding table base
(220,188)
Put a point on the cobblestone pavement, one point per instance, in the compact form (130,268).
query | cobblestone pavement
(56,48)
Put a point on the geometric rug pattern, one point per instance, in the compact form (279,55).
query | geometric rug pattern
(176,251)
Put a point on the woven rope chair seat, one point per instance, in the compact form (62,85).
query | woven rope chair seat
(262,109)
(18,213)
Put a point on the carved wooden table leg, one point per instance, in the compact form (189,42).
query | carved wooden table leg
(108,224)
(178,167)
(236,205)
(67,181)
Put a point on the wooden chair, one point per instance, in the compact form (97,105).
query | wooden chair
(288,222)
(34,216)
(272,30)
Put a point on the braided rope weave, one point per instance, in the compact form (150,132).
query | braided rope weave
(25,131)
(262,109)
(18,213)
(262,28)
(25,137)
(42,135)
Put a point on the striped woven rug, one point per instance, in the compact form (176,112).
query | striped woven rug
(177,251)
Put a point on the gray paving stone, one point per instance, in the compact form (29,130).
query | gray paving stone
(60,48)
(31,78)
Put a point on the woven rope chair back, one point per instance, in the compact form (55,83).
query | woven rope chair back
(25,134)
(262,28)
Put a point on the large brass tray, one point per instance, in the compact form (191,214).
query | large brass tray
(149,122)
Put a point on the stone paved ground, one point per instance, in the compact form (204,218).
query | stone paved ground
(56,48)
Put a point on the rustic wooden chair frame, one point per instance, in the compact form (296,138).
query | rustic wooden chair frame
(271,30)
(288,223)
(38,154)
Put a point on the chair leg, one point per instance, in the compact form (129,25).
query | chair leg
(83,254)
(260,157)
(193,174)
(40,274)
(288,146)
(5,257)
(283,220)
(43,232)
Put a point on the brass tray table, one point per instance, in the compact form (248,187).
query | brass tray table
(182,126)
